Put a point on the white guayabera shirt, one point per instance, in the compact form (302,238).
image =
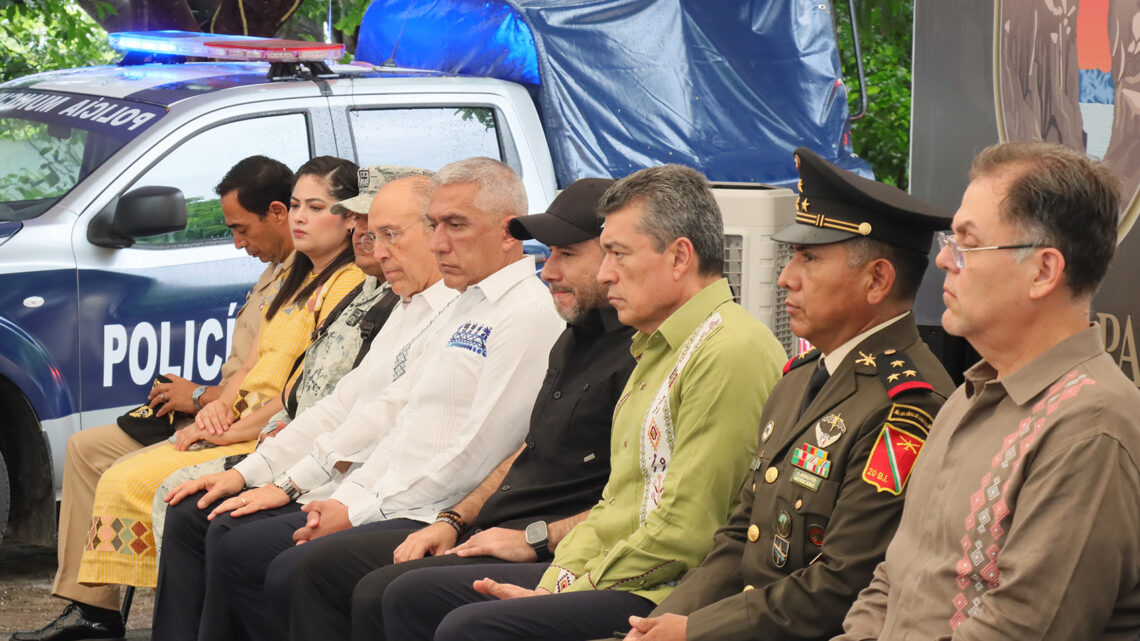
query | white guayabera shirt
(462,407)
(341,407)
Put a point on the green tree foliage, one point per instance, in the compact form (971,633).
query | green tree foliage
(40,35)
(882,136)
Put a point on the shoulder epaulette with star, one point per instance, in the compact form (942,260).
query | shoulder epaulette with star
(805,357)
(899,374)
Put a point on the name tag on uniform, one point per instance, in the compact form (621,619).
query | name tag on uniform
(803,479)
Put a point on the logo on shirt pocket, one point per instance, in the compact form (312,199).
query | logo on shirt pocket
(472,337)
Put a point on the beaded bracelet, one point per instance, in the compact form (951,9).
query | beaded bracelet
(452,518)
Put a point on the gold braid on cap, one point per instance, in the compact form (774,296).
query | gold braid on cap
(821,220)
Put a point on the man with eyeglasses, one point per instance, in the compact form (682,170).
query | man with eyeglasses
(391,194)
(841,431)
(1022,519)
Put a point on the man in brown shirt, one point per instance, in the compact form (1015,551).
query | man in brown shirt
(254,198)
(1022,517)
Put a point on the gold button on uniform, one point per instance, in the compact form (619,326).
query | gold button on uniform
(753,487)
(799,503)
(753,532)
(771,475)
(748,587)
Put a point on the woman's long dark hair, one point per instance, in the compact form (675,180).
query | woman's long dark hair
(340,177)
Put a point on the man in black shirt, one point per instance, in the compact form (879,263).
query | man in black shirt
(533,498)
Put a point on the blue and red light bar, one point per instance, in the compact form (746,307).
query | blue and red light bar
(224,47)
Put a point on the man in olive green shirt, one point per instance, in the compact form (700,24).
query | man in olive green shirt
(684,430)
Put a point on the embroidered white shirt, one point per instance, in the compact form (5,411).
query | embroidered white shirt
(346,410)
(469,399)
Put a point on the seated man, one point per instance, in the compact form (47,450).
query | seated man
(1021,521)
(421,444)
(544,488)
(255,202)
(684,430)
(840,432)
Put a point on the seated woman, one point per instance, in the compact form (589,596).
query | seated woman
(120,547)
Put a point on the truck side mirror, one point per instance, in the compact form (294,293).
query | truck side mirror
(146,211)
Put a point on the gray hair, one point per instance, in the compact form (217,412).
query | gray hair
(678,203)
(501,190)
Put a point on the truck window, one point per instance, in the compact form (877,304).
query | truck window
(428,137)
(50,141)
(199,163)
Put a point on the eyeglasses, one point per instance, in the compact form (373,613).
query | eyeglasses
(958,253)
(386,237)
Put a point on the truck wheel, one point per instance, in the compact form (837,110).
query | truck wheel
(5,498)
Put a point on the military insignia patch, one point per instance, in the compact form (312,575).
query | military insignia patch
(815,534)
(892,459)
(805,357)
(811,458)
(767,433)
(829,429)
(780,547)
(910,415)
(900,375)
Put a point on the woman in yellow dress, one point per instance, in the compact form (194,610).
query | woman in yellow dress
(120,545)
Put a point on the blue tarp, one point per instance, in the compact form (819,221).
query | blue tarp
(728,87)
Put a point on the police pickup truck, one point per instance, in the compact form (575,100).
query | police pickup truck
(116,263)
(109,279)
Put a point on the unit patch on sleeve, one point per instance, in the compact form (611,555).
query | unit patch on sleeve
(892,459)
(910,415)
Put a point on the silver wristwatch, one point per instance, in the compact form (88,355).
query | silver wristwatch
(288,487)
(196,397)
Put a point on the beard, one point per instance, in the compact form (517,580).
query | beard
(582,300)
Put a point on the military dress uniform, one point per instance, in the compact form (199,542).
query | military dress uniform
(824,495)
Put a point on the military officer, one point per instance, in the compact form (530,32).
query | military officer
(841,431)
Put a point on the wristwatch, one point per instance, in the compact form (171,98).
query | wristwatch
(196,397)
(286,485)
(537,537)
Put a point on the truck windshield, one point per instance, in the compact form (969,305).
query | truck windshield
(51,141)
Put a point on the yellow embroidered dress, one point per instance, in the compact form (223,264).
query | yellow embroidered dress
(120,544)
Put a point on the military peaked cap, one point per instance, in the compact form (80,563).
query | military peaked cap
(836,204)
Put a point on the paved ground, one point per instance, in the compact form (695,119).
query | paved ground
(26,573)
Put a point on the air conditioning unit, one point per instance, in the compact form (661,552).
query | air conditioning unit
(752,214)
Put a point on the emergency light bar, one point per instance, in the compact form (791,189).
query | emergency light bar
(224,47)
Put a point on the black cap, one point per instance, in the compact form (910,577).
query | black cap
(836,204)
(571,218)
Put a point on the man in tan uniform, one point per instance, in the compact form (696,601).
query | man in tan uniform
(254,197)
(840,432)
(1022,517)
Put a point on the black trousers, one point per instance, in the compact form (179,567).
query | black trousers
(255,561)
(189,584)
(339,583)
(440,604)
(312,608)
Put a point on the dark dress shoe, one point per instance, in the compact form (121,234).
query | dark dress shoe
(75,625)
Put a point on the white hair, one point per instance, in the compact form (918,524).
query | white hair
(501,191)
